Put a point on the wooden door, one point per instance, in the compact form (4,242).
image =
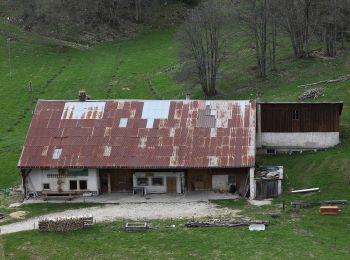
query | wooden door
(171,184)
(121,181)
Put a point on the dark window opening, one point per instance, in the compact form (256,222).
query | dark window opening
(73,185)
(232,179)
(46,186)
(157,181)
(142,181)
(296,115)
(199,178)
(83,184)
(271,151)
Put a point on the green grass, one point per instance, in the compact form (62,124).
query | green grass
(139,68)
(125,69)
(286,238)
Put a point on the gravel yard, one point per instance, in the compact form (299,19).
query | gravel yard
(132,211)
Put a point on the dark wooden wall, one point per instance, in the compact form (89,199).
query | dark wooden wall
(205,183)
(314,117)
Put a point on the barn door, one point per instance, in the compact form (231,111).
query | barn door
(266,189)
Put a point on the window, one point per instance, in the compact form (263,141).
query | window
(57,153)
(107,151)
(150,122)
(73,185)
(46,186)
(296,115)
(157,181)
(123,122)
(270,151)
(83,184)
(232,179)
(142,181)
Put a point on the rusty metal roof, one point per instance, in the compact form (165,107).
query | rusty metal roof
(168,134)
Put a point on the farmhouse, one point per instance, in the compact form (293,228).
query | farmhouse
(140,145)
(166,146)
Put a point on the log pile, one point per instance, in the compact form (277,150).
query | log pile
(312,93)
(306,204)
(65,224)
(225,223)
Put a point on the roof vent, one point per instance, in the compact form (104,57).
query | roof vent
(188,96)
(82,95)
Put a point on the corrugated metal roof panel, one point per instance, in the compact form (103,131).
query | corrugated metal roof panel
(89,134)
(82,110)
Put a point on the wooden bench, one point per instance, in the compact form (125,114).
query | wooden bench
(66,195)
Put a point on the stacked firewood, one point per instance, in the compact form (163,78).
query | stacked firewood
(225,223)
(65,224)
(312,93)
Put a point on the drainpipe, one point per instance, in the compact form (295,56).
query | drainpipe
(258,115)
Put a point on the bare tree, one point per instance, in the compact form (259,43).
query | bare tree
(202,37)
(272,36)
(297,17)
(138,11)
(255,14)
(334,21)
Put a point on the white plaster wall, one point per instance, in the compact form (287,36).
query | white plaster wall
(220,182)
(252,183)
(38,177)
(93,180)
(180,180)
(309,140)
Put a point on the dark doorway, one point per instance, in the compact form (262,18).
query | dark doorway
(104,182)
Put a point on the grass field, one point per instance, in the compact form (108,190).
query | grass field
(139,68)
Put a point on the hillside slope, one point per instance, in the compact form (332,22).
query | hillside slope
(142,67)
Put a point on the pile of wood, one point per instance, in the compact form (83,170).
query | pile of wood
(225,223)
(306,204)
(312,93)
(65,224)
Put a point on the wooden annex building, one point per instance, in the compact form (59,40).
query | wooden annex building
(288,126)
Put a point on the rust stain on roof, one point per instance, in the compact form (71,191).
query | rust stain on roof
(184,134)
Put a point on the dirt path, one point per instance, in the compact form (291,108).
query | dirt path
(140,211)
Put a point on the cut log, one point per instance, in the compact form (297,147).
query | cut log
(305,204)
(225,223)
(340,79)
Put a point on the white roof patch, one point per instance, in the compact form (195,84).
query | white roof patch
(83,110)
(153,109)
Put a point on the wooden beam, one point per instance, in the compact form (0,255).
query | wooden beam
(109,183)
